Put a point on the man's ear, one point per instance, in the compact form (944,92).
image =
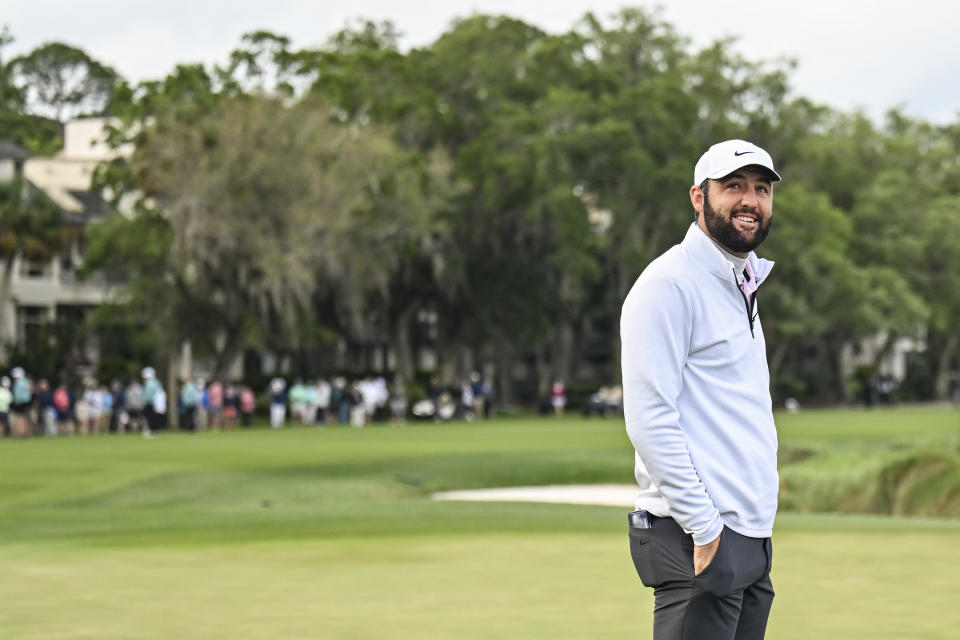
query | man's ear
(696,199)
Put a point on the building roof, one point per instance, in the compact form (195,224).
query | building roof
(93,203)
(11,150)
(78,206)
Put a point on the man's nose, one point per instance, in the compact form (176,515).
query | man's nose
(749,198)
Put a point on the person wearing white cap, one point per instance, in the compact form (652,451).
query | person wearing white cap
(22,402)
(151,387)
(698,410)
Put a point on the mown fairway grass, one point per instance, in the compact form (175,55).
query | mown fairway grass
(330,533)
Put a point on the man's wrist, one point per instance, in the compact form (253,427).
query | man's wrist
(709,534)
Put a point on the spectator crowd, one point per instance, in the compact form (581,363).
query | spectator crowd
(29,408)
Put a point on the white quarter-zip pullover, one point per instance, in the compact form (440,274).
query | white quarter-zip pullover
(696,393)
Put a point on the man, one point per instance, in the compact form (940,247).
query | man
(278,403)
(215,405)
(46,412)
(698,409)
(6,399)
(150,389)
(22,400)
(136,407)
(323,401)
(118,406)
(189,398)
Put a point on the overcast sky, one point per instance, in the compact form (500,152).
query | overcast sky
(871,55)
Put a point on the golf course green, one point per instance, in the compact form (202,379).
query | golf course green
(331,532)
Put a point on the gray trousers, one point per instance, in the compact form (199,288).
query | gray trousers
(729,600)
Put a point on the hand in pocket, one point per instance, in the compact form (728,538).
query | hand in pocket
(703,555)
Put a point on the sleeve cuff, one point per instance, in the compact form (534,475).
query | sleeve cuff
(708,535)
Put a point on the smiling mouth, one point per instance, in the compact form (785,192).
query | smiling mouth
(747,219)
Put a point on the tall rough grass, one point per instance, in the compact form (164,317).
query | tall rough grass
(903,479)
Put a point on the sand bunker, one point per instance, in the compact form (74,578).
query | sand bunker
(614,495)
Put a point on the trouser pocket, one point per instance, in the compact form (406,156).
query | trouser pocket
(739,562)
(644,555)
(658,553)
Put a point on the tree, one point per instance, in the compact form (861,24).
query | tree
(62,82)
(523,239)
(40,135)
(31,227)
(8,93)
(262,65)
(916,235)
(259,209)
(819,297)
(363,74)
(938,268)
(513,184)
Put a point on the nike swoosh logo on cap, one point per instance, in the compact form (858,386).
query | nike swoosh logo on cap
(740,153)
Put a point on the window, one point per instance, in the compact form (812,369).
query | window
(34,268)
(67,270)
(29,323)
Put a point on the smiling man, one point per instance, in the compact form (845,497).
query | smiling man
(698,410)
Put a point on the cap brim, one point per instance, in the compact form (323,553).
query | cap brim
(722,173)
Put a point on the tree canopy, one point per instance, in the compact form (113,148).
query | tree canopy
(494,195)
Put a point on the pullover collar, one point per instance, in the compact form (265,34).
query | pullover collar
(699,245)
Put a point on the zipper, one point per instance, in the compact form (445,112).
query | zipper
(748,303)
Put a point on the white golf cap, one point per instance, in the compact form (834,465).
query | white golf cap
(724,158)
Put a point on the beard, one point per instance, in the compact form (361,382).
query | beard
(724,232)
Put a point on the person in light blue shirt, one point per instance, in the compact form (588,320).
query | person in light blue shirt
(698,410)
(151,387)
(22,399)
(189,398)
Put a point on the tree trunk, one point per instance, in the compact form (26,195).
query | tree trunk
(504,357)
(888,342)
(5,279)
(941,383)
(776,361)
(230,352)
(544,371)
(563,351)
(173,418)
(840,383)
(614,373)
(403,346)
